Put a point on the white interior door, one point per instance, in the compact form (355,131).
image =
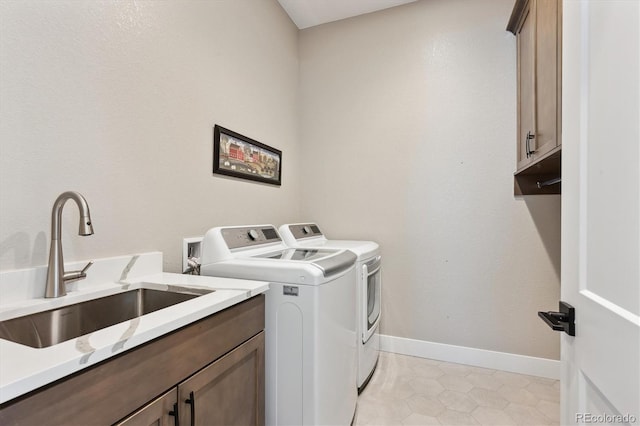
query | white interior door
(600,211)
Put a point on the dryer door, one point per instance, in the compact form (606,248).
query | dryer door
(372,280)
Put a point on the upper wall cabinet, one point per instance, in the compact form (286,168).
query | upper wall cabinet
(537,25)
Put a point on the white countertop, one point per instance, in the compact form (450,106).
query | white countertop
(23,368)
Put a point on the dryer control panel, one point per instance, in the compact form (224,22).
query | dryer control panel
(305,230)
(250,236)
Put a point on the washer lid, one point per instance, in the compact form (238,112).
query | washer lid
(363,249)
(298,254)
(329,261)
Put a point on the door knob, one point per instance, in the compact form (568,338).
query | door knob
(564,320)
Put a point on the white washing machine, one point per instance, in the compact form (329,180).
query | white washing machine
(310,351)
(368,289)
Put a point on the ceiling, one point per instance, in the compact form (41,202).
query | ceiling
(309,13)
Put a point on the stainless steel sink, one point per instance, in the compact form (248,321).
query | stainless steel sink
(48,328)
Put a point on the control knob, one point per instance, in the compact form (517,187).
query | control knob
(253,235)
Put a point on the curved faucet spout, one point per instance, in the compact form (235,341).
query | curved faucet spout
(56,276)
(85,227)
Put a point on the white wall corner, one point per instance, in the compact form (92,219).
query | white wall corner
(522,364)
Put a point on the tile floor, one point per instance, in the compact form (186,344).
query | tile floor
(407,390)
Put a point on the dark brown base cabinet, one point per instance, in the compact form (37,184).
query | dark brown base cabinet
(210,372)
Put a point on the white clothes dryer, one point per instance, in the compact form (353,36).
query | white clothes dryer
(368,289)
(310,351)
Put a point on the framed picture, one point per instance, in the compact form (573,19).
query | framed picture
(242,157)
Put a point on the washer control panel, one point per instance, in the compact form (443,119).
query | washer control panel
(250,236)
(305,230)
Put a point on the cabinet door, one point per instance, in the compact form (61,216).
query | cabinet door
(228,392)
(547,78)
(526,83)
(160,412)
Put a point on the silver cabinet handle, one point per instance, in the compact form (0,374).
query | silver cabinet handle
(527,144)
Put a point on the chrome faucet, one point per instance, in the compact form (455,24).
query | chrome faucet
(56,276)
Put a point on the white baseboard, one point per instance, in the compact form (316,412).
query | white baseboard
(514,363)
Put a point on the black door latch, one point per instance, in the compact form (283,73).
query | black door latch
(561,321)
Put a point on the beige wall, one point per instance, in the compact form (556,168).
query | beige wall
(118,100)
(407,126)
(406,123)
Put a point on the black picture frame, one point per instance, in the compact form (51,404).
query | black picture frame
(239,156)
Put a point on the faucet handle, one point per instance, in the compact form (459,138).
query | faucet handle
(77,275)
(84,270)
